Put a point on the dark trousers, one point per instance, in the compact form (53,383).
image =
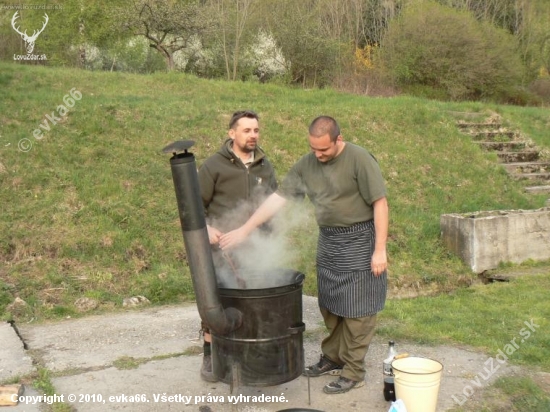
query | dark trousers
(348,342)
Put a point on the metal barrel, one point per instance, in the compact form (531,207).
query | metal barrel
(268,348)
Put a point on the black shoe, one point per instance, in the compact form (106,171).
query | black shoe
(323,367)
(342,385)
(206,370)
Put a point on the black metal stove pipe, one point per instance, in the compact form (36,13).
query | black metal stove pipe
(195,237)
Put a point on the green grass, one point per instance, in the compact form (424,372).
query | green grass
(127,362)
(510,394)
(487,317)
(525,394)
(43,384)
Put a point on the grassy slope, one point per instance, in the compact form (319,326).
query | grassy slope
(90,209)
(488,317)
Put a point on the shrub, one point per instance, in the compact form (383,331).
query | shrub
(359,73)
(443,48)
(308,49)
(541,87)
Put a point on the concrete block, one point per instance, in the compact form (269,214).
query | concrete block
(485,239)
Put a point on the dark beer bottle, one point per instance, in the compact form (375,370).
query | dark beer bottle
(389,387)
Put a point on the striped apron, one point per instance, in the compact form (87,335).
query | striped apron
(345,282)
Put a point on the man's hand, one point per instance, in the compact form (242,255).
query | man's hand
(233,238)
(379,262)
(214,235)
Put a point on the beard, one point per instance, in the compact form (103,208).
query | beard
(249,147)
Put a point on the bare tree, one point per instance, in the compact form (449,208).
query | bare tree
(357,12)
(232,18)
(241,17)
(221,18)
(168,25)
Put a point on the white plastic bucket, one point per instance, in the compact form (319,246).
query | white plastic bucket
(417,382)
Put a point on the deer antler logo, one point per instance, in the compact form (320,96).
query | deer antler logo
(29,39)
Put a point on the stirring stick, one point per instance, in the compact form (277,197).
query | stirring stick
(240,281)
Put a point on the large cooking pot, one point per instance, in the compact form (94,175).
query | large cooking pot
(268,347)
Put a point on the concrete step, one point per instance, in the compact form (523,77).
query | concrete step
(538,189)
(527,167)
(479,125)
(493,135)
(514,157)
(502,146)
(540,177)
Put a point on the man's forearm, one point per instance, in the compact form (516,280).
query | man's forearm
(381,223)
(266,211)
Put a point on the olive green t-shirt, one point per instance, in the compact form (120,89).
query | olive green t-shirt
(342,189)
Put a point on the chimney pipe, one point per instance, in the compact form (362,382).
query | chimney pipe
(195,237)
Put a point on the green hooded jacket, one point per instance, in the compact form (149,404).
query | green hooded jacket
(230,191)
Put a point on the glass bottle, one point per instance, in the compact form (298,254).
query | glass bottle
(389,359)
(389,386)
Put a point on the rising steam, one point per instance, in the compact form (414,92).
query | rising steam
(264,259)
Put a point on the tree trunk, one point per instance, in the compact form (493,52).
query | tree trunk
(224,40)
(82,49)
(170,62)
(168,56)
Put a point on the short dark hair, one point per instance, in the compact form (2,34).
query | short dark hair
(249,114)
(323,125)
